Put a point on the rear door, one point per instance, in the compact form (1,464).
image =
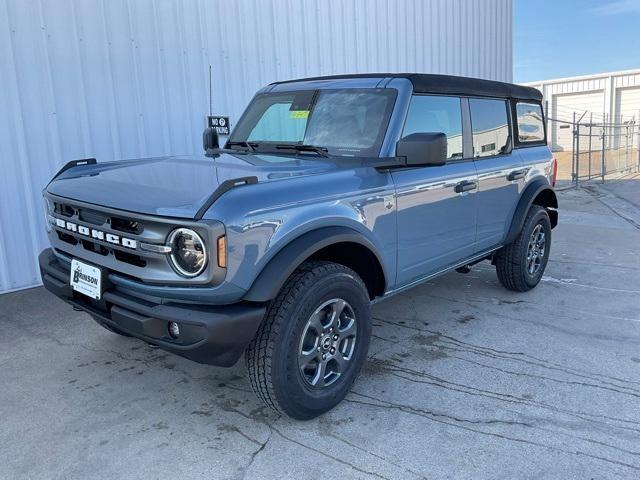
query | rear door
(436,205)
(501,172)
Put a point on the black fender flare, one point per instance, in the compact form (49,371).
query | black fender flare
(73,164)
(531,191)
(270,280)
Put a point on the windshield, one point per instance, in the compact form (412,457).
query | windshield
(341,122)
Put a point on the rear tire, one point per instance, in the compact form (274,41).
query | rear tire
(312,342)
(521,264)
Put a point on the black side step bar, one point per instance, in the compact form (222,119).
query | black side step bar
(221,190)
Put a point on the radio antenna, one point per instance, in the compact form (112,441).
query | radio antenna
(210,99)
(210,139)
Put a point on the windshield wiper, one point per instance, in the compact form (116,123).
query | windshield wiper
(304,148)
(242,143)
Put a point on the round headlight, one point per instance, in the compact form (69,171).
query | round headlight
(188,252)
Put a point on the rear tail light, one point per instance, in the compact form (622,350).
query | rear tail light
(554,172)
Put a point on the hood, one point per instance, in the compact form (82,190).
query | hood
(175,186)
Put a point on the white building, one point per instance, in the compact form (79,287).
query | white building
(114,80)
(614,97)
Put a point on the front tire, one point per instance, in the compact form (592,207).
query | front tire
(313,341)
(521,264)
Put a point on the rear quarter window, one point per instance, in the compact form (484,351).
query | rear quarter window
(530,122)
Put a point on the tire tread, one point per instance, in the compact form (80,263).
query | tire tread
(260,352)
(509,266)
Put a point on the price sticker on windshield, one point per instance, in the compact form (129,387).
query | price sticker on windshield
(299,113)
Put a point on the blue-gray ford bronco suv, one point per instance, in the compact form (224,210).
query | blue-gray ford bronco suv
(331,194)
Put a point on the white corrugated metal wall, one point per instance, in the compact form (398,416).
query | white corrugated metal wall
(128,78)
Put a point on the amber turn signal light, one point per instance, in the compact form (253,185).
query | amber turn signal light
(222,252)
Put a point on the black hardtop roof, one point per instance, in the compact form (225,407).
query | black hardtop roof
(446,84)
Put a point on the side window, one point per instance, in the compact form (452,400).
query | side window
(429,114)
(530,123)
(490,126)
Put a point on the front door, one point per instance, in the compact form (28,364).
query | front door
(436,205)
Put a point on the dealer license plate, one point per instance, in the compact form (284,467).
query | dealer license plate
(86,279)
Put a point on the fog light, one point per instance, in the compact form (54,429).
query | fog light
(174,330)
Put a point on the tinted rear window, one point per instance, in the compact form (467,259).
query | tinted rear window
(490,126)
(530,123)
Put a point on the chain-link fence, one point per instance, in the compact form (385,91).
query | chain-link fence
(591,146)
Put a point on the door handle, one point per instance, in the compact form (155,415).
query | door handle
(465,186)
(516,175)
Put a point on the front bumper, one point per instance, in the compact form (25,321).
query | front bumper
(215,335)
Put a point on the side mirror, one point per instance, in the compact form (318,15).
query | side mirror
(210,139)
(423,149)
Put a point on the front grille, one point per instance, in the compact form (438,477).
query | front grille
(104,222)
(65,237)
(126,225)
(96,217)
(93,217)
(95,247)
(118,248)
(130,258)
(64,210)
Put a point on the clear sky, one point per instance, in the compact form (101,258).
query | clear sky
(563,38)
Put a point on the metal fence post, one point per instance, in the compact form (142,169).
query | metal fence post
(626,148)
(638,146)
(590,133)
(604,139)
(573,154)
(577,153)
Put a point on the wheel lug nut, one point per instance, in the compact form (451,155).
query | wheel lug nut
(335,337)
(333,350)
(324,356)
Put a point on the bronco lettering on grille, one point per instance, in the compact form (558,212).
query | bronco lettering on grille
(97,234)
